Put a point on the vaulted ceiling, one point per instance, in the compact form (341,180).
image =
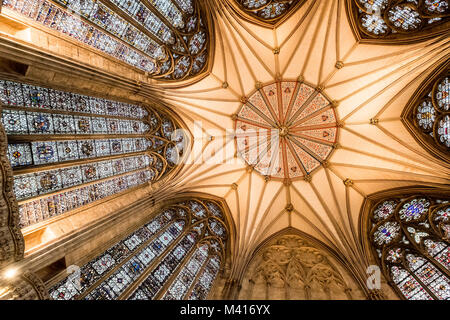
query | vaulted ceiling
(370,85)
(367,87)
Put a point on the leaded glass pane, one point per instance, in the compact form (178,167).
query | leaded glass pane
(167,251)
(413,254)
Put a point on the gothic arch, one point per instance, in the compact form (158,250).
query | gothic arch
(177,254)
(397,21)
(427,113)
(306,267)
(169,42)
(267,13)
(406,232)
(75,149)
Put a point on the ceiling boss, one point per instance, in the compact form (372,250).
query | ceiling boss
(286,129)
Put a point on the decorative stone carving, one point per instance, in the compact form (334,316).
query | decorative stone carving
(292,268)
(11,239)
(27,286)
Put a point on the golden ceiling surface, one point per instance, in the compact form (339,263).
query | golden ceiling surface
(323,88)
(286,130)
(365,89)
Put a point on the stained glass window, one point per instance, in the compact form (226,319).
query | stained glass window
(410,237)
(268,11)
(68,150)
(399,20)
(166,38)
(428,113)
(177,255)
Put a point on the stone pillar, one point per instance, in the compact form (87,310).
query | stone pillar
(250,289)
(307,289)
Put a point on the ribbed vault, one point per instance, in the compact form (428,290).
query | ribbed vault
(371,84)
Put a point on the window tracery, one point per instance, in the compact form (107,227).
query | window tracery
(177,255)
(291,267)
(168,39)
(410,237)
(399,20)
(269,12)
(427,115)
(68,150)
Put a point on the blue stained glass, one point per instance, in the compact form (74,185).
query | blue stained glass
(44,152)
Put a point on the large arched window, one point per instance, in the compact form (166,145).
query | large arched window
(398,21)
(410,237)
(177,255)
(427,114)
(168,39)
(68,150)
(266,12)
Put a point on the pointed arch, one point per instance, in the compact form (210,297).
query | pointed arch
(301,258)
(177,254)
(267,13)
(427,113)
(397,21)
(406,232)
(68,150)
(169,41)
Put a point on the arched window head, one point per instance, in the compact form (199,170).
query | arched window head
(176,255)
(427,114)
(167,39)
(69,150)
(398,21)
(268,13)
(410,238)
(290,265)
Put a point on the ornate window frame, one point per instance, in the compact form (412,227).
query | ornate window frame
(166,171)
(122,41)
(240,10)
(168,204)
(408,116)
(318,245)
(367,226)
(353,7)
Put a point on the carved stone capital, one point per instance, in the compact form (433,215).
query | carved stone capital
(375,294)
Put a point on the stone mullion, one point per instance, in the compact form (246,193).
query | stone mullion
(197,277)
(58,165)
(267,291)
(127,293)
(127,17)
(175,274)
(419,281)
(436,263)
(119,265)
(71,113)
(287,291)
(18,138)
(165,21)
(419,250)
(181,10)
(251,286)
(24,201)
(112,35)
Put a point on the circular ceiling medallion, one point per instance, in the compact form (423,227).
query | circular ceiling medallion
(286,129)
